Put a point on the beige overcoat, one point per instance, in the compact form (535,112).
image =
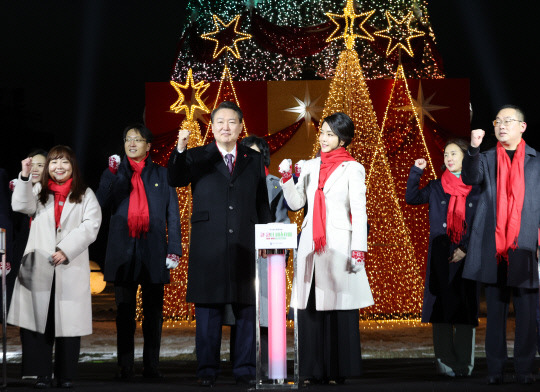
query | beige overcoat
(336,286)
(79,228)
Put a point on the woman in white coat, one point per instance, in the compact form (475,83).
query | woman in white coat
(51,300)
(331,283)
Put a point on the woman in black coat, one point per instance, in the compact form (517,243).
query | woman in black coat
(450,302)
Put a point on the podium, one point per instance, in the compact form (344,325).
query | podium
(275,238)
(4,308)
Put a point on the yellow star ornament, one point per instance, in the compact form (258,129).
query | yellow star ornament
(225,37)
(399,31)
(199,89)
(348,17)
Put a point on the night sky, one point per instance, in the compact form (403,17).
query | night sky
(73,71)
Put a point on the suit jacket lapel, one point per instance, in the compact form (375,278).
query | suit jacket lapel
(242,161)
(334,176)
(214,156)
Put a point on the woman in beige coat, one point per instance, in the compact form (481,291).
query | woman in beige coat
(331,282)
(51,300)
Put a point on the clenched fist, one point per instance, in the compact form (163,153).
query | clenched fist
(477,135)
(420,163)
(285,169)
(183,139)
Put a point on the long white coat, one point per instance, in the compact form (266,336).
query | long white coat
(336,286)
(79,227)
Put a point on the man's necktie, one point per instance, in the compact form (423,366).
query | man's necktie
(229,159)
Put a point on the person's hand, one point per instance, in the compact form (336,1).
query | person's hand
(358,260)
(114,162)
(172,261)
(58,258)
(262,253)
(285,169)
(12,184)
(26,167)
(458,255)
(298,167)
(6,265)
(477,135)
(420,163)
(183,139)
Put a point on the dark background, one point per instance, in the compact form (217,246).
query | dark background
(73,71)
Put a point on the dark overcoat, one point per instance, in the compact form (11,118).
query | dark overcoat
(126,255)
(225,210)
(448,298)
(481,169)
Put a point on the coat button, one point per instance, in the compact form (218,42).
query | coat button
(156,184)
(444,225)
(443,202)
(230,185)
(231,231)
(470,204)
(231,208)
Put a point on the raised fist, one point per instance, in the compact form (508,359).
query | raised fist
(420,163)
(114,162)
(26,167)
(183,139)
(285,169)
(298,167)
(477,135)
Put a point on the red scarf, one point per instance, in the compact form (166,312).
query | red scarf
(329,162)
(510,195)
(138,214)
(456,225)
(60,195)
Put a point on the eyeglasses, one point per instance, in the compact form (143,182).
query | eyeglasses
(506,122)
(129,140)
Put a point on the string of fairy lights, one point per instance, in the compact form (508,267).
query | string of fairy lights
(396,246)
(260,64)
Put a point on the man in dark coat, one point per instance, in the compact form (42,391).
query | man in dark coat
(504,239)
(229,197)
(144,209)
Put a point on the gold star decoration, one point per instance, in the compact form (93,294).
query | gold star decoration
(197,88)
(306,109)
(349,17)
(225,37)
(399,31)
(422,107)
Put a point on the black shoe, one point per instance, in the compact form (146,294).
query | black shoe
(207,381)
(64,383)
(126,373)
(43,382)
(245,380)
(152,373)
(495,380)
(524,378)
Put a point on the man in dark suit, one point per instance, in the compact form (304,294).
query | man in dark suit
(144,210)
(229,197)
(503,247)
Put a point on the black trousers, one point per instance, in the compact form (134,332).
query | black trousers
(126,305)
(37,350)
(525,305)
(208,339)
(328,342)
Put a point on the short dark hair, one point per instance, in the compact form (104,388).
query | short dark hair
(261,144)
(462,144)
(228,105)
(37,151)
(145,132)
(518,110)
(342,126)
(78,187)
